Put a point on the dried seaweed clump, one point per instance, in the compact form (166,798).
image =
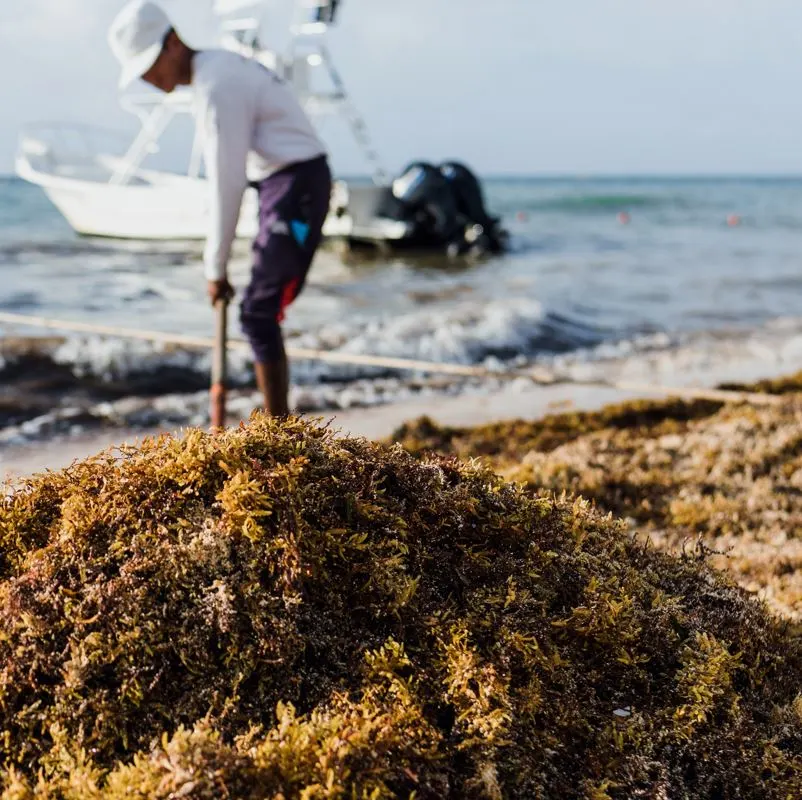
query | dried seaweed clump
(681,471)
(787,384)
(508,439)
(279,613)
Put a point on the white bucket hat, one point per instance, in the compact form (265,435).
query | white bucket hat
(136,38)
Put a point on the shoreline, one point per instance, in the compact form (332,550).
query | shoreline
(378,422)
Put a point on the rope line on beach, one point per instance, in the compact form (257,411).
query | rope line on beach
(537,376)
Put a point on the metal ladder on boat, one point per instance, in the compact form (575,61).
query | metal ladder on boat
(313,18)
(242,23)
(359,127)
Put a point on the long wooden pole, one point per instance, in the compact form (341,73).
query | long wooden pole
(219,388)
(536,375)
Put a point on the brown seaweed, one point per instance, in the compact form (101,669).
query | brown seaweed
(277,612)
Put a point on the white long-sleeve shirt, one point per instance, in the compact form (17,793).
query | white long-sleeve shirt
(253,125)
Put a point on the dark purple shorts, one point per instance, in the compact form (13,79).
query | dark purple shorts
(293,205)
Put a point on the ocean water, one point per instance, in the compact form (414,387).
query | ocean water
(677,286)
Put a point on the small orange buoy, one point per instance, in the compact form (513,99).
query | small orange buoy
(624,218)
(733,220)
(522,216)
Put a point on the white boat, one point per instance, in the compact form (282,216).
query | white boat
(102,186)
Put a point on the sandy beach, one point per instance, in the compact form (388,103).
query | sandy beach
(517,401)
(373,423)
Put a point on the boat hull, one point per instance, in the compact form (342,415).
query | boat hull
(170,207)
(422,210)
(144,213)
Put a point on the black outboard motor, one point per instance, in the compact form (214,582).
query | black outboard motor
(425,195)
(485,233)
(447,208)
(467,192)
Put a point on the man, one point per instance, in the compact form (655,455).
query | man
(254,129)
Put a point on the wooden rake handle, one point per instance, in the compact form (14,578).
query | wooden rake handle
(219,388)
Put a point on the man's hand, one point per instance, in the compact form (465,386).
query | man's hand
(220,290)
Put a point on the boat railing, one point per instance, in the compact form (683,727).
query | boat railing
(155,112)
(61,149)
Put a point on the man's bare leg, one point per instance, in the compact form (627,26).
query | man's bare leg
(274,382)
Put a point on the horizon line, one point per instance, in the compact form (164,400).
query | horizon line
(601,175)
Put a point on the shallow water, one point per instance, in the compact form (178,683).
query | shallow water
(578,288)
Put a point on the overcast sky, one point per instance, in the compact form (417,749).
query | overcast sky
(510,86)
